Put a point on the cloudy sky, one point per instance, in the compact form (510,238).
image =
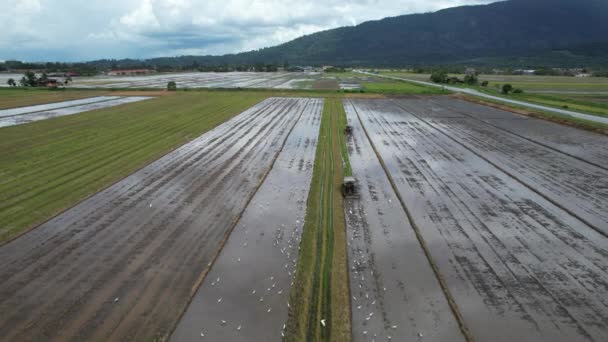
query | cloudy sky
(77,30)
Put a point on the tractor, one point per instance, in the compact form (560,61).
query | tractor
(349,188)
(348,130)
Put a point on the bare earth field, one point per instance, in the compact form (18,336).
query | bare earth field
(124,264)
(248,285)
(517,260)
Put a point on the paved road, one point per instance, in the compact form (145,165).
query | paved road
(588,117)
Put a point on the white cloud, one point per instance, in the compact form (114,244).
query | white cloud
(75,30)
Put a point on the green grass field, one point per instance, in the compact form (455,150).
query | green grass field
(22,97)
(529,83)
(385,86)
(582,105)
(320,290)
(48,166)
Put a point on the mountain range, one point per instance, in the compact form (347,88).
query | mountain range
(513,32)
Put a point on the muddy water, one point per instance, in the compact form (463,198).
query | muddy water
(248,285)
(48,114)
(395,293)
(580,187)
(197,80)
(55,105)
(519,267)
(123,264)
(590,147)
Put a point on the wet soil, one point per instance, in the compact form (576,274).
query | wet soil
(395,293)
(124,264)
(63,111)
(245,295)
(506,220)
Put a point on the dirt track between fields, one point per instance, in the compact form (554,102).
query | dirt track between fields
(514,218)
(124,264)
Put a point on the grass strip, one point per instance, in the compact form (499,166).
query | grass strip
(64,160)
(539,114)
(320,290)
(23,97)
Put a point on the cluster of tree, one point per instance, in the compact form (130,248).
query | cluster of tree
(84,69)
(508,88)
(442,77)
(171,86)
(30,79)
(335,69)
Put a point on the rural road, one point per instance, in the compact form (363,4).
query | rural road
(249,284)
(123,264)
(588,117)
(505,238)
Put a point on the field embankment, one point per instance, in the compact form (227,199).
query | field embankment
(320,305)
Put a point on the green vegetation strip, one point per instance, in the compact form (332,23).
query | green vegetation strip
(23,97)
(50,165)
(577,105)
(399,87)
(549,116)
(320,290)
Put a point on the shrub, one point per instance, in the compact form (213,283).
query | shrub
(439,76)
(506,89)
(171,86)
(517,91)
(471,79)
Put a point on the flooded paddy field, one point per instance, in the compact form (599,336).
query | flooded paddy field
(277,80)
(54,105)
(518,243)
(123,264)
(395,293)
(23,115)
(245,295)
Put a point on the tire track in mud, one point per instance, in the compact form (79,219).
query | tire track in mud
(395,288)
(585,146)
(579,188)
(122,264)
(519,268)
(248,285)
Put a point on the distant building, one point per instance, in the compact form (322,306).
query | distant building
(132,72)
(50,83)
(583,75)
(470,71)
(524,72)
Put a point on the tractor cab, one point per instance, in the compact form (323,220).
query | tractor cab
(349,188)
